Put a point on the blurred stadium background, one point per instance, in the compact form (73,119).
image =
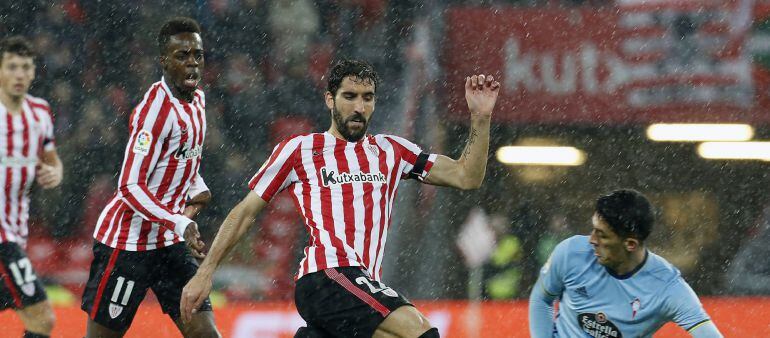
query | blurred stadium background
(594,77)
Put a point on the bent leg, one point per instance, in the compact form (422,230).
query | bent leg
(38,318)
(405,322)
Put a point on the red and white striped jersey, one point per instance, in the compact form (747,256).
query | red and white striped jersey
(159,173)
(23,138)
(345,192)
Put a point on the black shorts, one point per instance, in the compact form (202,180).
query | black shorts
(119,280)
(345,302)
(19,285)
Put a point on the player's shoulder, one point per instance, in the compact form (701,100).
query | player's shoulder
(575,249)
(38,102)
(578,244)
(660,269)
(394,141)
(297,139)
(199,93)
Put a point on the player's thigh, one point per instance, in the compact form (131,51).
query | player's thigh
(174,267)
(201,326)
(19,285)
(37,317)
(117,284)
(345,302)
(405,322)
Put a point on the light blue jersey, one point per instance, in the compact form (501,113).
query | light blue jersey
(594,302)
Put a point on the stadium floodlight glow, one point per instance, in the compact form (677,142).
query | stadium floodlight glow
(735,150)
(699,132)
(541,155)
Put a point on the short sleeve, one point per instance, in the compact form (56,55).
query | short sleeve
(277,173)
(416,163)
(552,274)
(683,307)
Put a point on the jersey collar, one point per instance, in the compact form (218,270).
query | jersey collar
(632,272)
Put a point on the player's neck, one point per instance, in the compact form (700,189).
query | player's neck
(179,94)
(12,103)
(636,259)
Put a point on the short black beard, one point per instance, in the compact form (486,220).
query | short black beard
(342,126)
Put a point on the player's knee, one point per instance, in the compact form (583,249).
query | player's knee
(308,332)
(432,333)
(406,321)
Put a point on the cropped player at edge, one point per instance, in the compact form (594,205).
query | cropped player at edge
(609,285)
(343,182)
(27,154)
(144,237)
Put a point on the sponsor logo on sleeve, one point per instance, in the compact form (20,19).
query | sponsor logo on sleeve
(597,325)
(143,142)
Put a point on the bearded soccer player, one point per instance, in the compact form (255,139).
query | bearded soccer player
(609,285)
(343,182)
(27,154)
(140,235)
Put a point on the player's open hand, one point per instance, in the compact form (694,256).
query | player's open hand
(193,295)
(48,176)
(481,94)
(193,239)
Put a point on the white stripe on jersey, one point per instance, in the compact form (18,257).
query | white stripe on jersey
(344,191)
(23,137)
(161,163)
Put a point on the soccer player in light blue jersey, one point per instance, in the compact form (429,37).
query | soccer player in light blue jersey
(609,285)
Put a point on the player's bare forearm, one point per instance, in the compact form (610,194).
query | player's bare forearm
(473,161)
(468,171)
(238,221)
(196,204)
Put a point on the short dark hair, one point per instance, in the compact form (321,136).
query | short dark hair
(628,212)
(358,68)
(18,45)
(174,26)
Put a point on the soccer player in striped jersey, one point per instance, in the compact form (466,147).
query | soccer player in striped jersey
(609,285)
(27,154)
(344,182)
(140,235)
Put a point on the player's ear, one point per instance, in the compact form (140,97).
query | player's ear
(329,98)
(162,61)
(632,244)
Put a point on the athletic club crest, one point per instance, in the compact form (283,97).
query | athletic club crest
(28,289)
(115,310)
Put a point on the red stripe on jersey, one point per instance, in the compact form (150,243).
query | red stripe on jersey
(383,160)
(308,212)
(107,220)
(103,282)
(187,168)
(310,218)
(327,216)
(363,163)
(23,184)
(8,170)
(360,294)
(348,209)
(270,161)
(10,286)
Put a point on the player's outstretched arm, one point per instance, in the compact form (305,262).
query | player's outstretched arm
(468,171)
(235,225)
(50,170)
